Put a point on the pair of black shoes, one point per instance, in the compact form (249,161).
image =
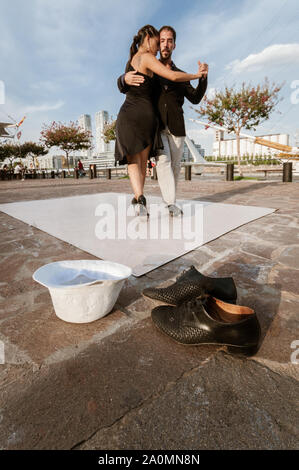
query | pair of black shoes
(203,310)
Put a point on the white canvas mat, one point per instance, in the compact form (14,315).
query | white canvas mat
(104,225)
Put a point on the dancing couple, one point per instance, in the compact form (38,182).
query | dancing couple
(150,122)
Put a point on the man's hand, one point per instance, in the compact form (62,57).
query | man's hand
(203,69)
(132,79)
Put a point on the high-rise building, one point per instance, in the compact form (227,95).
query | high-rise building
(102,117)
(85,124)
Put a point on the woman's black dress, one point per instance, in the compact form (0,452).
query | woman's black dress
(137,124)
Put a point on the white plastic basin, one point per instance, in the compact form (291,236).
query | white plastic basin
(82,291)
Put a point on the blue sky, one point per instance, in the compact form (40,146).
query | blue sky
(61,58)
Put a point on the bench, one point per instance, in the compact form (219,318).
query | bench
(94,169)
(286,170)
(269,170)
(188,167)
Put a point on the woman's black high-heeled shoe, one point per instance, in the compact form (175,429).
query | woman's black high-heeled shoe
(141,209)
(141,200)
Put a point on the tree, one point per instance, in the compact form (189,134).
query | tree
(9,150)
(68,138)
(32,149)
(109,131)
(236,109)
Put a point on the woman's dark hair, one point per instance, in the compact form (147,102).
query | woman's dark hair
(140,36)
(169,28)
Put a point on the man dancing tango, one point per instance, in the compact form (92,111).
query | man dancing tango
(170,100)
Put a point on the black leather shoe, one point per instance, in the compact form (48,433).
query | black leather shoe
(134,201)
(191,283)
(207,320)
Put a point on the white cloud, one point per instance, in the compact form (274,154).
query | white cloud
(211,91)
(275,55)
(75,34)
(218,36)
(43,107)
(201,132)
(45,85)
(36,116)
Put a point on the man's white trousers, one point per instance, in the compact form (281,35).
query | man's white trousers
(169,165)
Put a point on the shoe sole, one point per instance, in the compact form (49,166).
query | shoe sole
(235,350)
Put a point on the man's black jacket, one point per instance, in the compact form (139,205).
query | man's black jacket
(170,99)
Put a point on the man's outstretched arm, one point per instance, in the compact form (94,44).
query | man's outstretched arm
(195,95)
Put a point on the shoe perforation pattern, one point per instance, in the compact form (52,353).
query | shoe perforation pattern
(184,334)
(176,293)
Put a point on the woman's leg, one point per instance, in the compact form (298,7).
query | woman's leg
(143,164)
(136,169)
(135,174)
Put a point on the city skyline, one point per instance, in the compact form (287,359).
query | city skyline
(98,143)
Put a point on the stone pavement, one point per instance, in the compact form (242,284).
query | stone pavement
(118,383)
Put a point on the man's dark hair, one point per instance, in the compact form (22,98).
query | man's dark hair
(169,28)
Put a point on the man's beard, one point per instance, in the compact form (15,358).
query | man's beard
(165,54)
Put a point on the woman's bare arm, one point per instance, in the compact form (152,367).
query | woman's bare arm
(150,62)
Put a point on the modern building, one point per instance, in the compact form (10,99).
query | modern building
(101,118)
(228,147)
(85,124)
(187,154)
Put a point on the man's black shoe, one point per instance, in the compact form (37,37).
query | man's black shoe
(191,283)
(207,320)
